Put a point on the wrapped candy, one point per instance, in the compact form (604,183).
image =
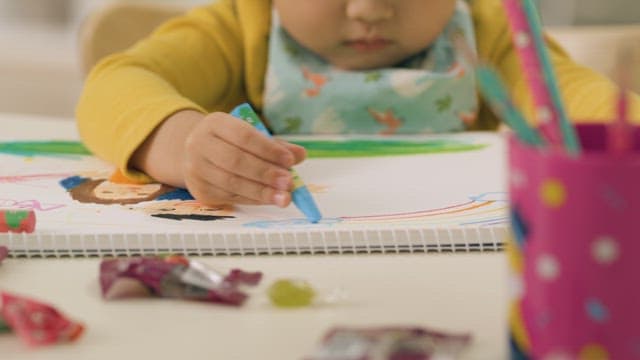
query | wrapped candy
(36,323)
(173,277)
(290,293)
(389,343)
(17,221)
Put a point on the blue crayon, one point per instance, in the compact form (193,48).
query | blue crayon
(300,195)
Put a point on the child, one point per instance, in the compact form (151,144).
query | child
(159,109)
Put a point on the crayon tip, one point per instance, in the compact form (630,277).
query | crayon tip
(304,201)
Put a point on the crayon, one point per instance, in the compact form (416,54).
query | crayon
(300,195)
(17,221)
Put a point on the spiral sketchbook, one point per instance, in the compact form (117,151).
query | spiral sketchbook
(377,194)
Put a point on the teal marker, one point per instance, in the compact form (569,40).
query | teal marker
(496,94)
(300,195)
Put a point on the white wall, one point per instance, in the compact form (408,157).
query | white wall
(590,12)
(38,62)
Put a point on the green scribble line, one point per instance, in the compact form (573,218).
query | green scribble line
(371,148)
(43,148)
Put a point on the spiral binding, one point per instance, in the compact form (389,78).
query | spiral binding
(405,240)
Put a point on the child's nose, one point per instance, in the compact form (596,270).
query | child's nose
(369,11)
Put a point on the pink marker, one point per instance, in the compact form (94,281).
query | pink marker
(521,32)
(620,133)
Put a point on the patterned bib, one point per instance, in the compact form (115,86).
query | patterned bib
(432,92)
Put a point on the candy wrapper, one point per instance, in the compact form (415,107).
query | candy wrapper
(17,221)
(4,253)
(36,323)
(173,277)
(390,343)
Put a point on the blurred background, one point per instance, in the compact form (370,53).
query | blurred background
(39,68)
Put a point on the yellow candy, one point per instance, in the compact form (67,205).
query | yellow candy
(291,293)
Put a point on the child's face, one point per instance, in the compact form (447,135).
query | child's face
(364,34)
(111,191)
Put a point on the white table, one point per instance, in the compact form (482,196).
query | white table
(452,292)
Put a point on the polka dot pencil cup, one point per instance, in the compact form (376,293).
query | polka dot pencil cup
(575,250)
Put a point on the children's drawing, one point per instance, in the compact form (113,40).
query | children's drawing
(368,148)
(103,191)
(483,210)
(360,183)
(156,200)
(186,210)
(44,148)
(33,177)
(28,204)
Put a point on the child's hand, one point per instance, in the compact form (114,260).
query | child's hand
(228,161)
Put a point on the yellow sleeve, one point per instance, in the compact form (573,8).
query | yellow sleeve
(587,95)
(192,62)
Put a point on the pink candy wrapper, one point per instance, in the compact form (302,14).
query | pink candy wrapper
(574,258)
(389,343)
(36,323)
(173,277)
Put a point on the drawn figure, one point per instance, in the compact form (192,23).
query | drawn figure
(102,191)
(186,210)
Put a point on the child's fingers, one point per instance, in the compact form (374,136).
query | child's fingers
(224,185)
(299,152)
(207,193)
(240,163)
(244,136)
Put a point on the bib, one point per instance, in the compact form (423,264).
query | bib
(433,91)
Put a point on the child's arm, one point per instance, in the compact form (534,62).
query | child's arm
(145,111)
(219,159)
(179,67)
(588,96)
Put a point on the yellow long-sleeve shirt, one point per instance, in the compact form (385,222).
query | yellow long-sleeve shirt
(215,57)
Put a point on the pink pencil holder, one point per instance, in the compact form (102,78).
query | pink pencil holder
(575,251)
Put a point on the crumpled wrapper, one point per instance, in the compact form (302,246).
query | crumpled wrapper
(36,323)
(390,343)
(173,277)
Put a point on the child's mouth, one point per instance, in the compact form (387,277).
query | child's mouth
(368,45)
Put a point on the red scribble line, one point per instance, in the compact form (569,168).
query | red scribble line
(29,204)
(475,217)
(26,178)
(413,213)
(445,216)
